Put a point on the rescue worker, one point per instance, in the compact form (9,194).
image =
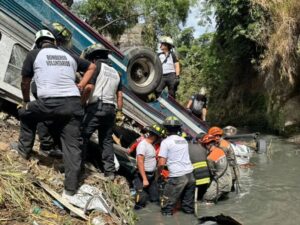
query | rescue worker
(197,105)
(101,92)
(170,67)
(58,100)
(49,140)
(144,181)
(174,153)
(217,132)
(218,165)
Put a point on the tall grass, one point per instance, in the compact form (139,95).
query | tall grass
(279,33)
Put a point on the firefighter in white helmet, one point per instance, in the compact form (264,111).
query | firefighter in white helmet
(170,67)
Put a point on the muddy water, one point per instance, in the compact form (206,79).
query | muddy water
(270,192)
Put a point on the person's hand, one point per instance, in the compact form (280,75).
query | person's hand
(23,105)
(145,183)
(80,87)
(177,80)
(188,110)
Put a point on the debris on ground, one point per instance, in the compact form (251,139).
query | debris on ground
(22,201)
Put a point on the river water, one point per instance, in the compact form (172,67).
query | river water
(269,192)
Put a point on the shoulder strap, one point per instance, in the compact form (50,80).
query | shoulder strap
(166,59)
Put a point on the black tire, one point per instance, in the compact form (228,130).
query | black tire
(144,70)
(261,146)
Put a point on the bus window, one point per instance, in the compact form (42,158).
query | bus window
(13,73)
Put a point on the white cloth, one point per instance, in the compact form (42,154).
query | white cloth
(147,150)
(54,74)
(106,85)
(168,66)
(176,150)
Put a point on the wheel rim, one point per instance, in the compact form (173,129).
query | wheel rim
(142,72)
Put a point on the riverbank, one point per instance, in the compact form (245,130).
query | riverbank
(22,202)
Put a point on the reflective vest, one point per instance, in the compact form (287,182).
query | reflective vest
(198,159)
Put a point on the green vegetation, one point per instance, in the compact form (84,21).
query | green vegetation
(114,17)
(249,65)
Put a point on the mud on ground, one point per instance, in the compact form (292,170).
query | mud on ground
(20,197)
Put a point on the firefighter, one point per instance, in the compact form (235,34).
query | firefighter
(170,67)
(49,140)
(100,95)
(226,146)
(174,153)
(58,100)
(144,181)
(219,168)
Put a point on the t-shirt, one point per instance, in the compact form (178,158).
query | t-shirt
(168,62)
(146,149)
(107,82)
(176,150)
(54,71)
(198,103)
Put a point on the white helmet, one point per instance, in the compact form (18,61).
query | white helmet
(167,40)
(43,34)
(202,91)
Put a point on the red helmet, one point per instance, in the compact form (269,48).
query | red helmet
(207,138)
(215,131)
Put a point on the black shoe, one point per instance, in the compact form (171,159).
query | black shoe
(167,213)
(55,153)
(24,155)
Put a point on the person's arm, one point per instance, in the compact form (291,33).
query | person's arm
(25,87)
(177,68)
(120,100)
(141,168)
(189,105)
(27,74)
(204,109)
(86,93)
(204,112)
(161,163)
(88,74)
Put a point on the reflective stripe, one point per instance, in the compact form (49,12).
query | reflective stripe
(200,171)
(200,164)
(203,181)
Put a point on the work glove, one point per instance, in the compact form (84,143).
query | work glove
(119,117)
(22,109)
(23,105)
(177,80)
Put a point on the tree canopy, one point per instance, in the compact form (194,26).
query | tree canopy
(113,17)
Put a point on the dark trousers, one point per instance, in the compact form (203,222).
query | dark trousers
(147,193)
(167,80)
(179,188)
(49,139)
(66,114)
(101,117)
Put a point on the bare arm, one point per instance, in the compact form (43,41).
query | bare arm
(204,112)
(86,93)
(177,68)
(141,168)
(87,76)
(189,105)
(161,163)
(120,100)
(25,87)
